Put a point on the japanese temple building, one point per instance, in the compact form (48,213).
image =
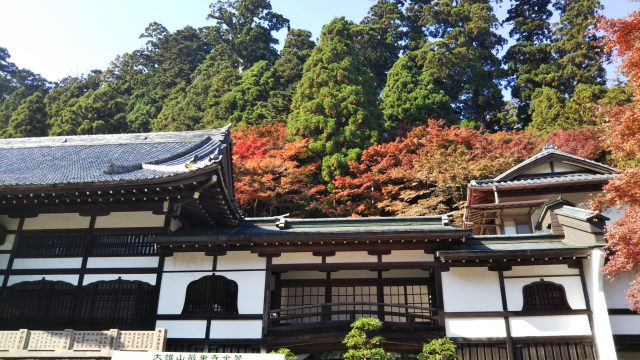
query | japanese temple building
(135,242)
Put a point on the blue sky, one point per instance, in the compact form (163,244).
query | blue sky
(57,38)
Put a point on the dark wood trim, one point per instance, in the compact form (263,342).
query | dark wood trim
(209,317)
(481,314)
(266,303)
(587,304)
(439,295)
(505,309)
(539,276)
(354,266)
(546,339)
(324,253)
(76,271)
(624,311)
(14,246)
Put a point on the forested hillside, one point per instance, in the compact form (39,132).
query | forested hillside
(389,116)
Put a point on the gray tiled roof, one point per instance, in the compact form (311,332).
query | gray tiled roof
(547,179)
(108,158)
(277,228)
(553,151)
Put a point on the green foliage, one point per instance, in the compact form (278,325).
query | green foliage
(411,96)
(547,106)
(288,354)
(297,49)
(335,101)
(256,99)
(461,59)
(577,46)
(194,105)
(550,110)
(29,119)
(379,38)
(438,349)
(361,345)
(246,27)
(532,32)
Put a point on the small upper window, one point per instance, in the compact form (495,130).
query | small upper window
(212,294)
(516,226)
(543,296)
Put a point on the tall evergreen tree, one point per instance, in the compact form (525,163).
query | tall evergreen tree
(576,47)
(411,96)
(415,29)
(532,32)
(29,119)
(187,106)
(379,38)
(246,26)
(297,49)
(335,101)
(462,58)
(254,101)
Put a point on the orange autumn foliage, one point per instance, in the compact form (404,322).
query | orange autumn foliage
(623,140)
(426,171)
(269,178)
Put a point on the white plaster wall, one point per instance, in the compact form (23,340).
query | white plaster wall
(475,327)
(558,325)
(9,223)
(4,261)
(71,279)
(183,329)
(407,255)
(57,221)
(8,242)
(541,270)
(602,327)
(351,257)
(405,273)
(295,275)
(47,263)
(560,167)
(471,289)
(572,287)
(130,219)
(250,290)
(625,324)
(296,258)
(188,261)
(148,278)
(241,260)
(236,329)
(122,262)
(614,290)
(354,274)
(540,169)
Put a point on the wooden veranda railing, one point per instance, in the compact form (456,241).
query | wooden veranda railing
(350,311)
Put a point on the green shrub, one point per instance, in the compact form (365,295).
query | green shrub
(439,349)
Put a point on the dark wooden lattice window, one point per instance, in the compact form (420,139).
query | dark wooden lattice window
(543,296)
(116,244)
(47,304)
(118,303)
(41,304)
(212,294)
(53,244)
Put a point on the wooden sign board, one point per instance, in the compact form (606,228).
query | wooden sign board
(139,355)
